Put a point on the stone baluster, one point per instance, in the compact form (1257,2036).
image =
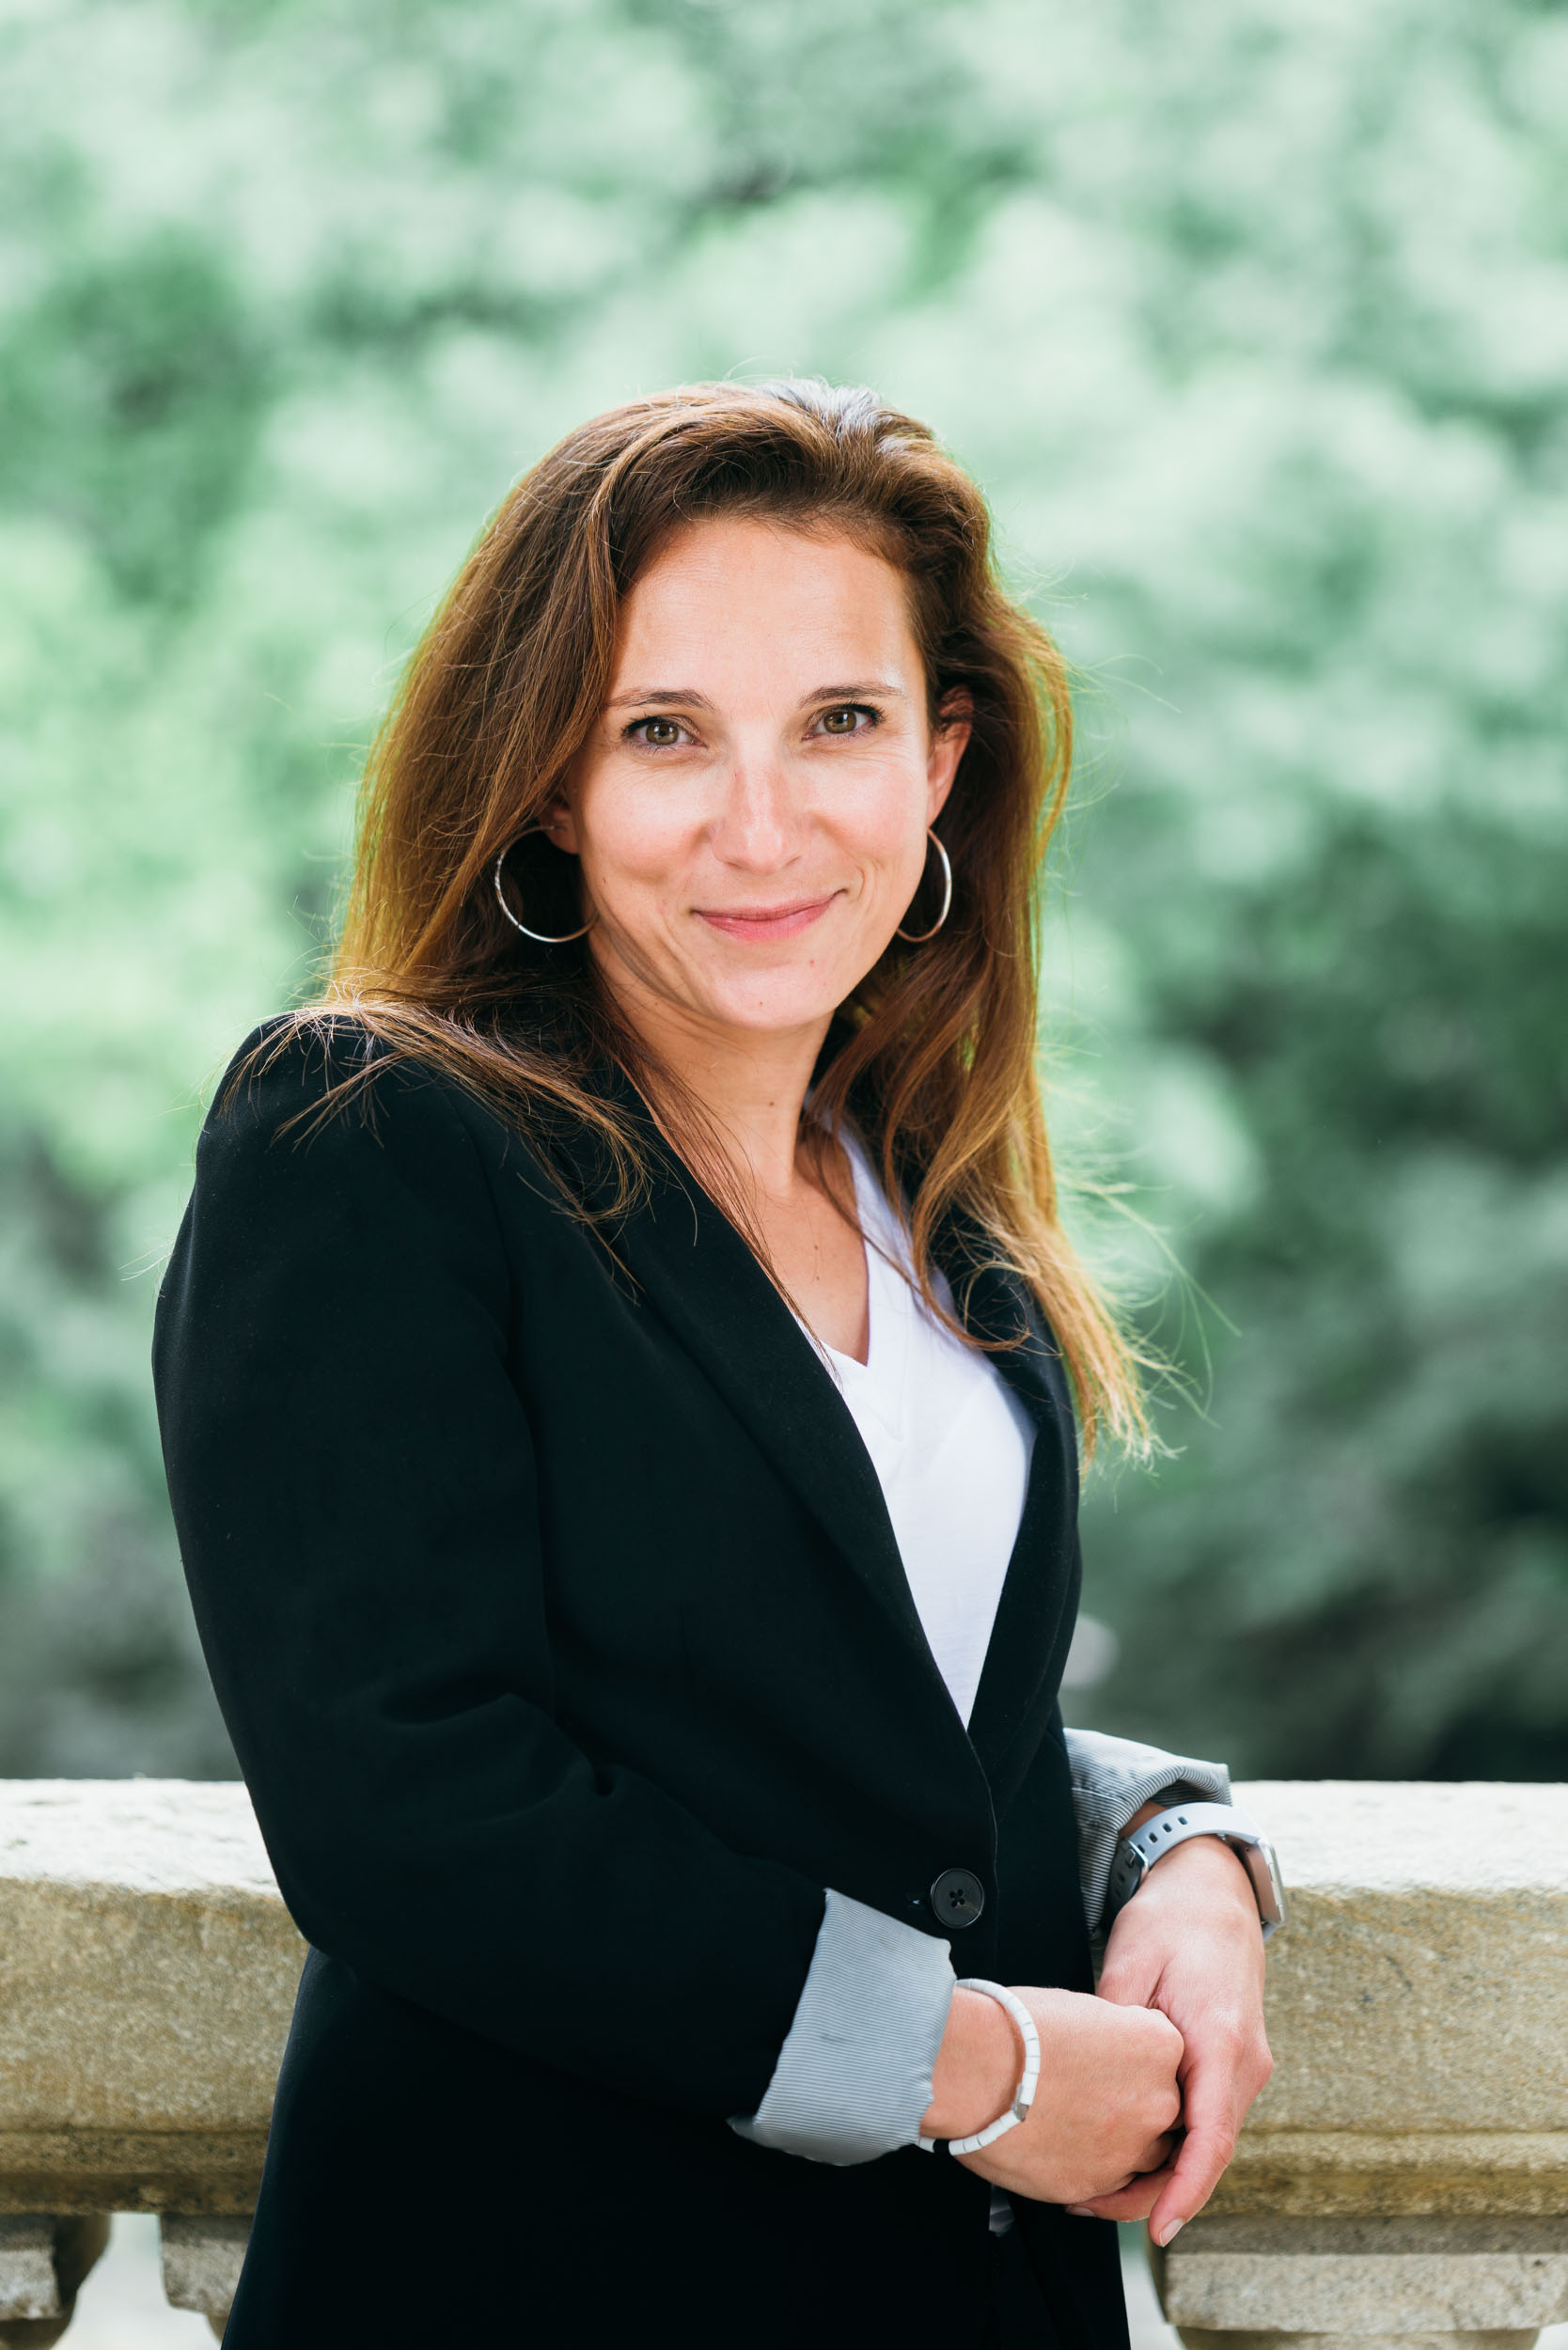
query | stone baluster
(202,2258)
(146,1976)
(44,2259)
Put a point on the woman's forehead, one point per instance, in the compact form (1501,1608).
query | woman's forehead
(732,594)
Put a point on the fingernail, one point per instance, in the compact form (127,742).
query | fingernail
(1171,2232)
(1077,2211)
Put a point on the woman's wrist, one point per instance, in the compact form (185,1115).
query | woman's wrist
(977,2068)
(1205,1870)
(1202,1851)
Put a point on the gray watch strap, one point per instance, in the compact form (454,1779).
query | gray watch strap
(1137,1853)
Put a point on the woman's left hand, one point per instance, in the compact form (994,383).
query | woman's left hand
(1189,1944)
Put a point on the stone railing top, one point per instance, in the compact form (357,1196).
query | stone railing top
(1350,1836)
(139,1835)
(1418,2003)
(1360,1835)
(1334,1834)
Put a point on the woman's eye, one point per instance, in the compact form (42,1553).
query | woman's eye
(846,721)
(661,734)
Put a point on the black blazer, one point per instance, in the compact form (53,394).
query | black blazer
(554,1612)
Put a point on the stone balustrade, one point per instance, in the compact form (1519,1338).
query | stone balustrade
(1404,2180)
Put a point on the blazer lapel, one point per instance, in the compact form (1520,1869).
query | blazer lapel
(701,1277)
(703,1281)
(1034,1620)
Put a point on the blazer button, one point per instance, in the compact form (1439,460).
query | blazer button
(957,1897)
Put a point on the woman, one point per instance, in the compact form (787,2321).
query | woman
(621,1377)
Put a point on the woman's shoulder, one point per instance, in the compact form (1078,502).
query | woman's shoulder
(311,1070)
(323,1129)
(319,1092)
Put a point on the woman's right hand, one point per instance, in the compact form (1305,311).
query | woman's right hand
(1106,2102)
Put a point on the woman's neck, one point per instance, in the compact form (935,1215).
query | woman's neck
(791,1195)
(748,1086)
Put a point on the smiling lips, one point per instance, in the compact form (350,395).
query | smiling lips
(767,922)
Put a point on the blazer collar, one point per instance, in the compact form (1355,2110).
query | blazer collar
(700,1277)
(704,1281)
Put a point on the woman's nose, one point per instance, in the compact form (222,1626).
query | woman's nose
(759,824)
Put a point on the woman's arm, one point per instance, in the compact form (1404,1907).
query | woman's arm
(1105,2104)
(1189,1945)
(1176,2031)
(354,1484)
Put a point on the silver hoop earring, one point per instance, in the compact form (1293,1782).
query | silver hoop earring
(541,937)
(918,938)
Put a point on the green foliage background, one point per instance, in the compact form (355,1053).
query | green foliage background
(1254,322)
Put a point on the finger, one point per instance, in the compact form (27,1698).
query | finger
(1129,1981)
(1135,2201)
(1213,2097)
(1200,2163)
(1159,2155)
(1141,2186)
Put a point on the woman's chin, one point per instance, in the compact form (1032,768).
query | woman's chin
(774,1016)
(769,991)
(774,1011)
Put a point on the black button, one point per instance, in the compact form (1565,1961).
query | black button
(957,1897)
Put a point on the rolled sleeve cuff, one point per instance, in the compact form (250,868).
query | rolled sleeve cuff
(853,2077)
(1111,1779)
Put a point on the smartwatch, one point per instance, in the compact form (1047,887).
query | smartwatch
(1139,1851)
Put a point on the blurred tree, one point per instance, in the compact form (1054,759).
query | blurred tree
(1257,330)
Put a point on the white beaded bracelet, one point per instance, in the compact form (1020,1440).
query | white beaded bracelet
(1022,2096)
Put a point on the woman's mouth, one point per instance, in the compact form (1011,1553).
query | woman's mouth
(786,920)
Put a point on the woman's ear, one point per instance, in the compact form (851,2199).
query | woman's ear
(950,740)
(557,823)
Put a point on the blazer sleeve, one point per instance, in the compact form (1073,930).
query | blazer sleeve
(354,1484)
(1113,1777)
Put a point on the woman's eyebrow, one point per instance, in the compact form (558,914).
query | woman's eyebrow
(862,692)
(688,698)
(672,697)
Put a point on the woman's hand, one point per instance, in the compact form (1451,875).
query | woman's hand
(1188,1946)
(1106,2101)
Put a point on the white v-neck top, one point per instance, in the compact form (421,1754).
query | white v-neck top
(949,1442)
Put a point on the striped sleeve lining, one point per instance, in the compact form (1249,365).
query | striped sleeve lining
(1111,1779)
(853,2077)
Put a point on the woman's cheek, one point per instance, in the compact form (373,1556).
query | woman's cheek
(637,839)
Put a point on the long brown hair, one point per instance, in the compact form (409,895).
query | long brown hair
(934,1055)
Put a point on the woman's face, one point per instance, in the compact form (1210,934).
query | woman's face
(751,808)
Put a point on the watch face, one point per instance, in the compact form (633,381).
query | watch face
(1264,1868)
